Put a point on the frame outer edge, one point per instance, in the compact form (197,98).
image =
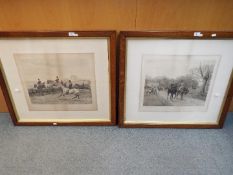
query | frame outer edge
(122,77)
(7,96)
(111,34)
(113,67)
(227,103)
(170,35)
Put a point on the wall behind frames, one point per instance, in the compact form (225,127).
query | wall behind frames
(26,15)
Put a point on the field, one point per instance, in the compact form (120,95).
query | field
(161,100)
(85,97)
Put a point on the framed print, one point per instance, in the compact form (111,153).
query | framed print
(175,79)
(59,78)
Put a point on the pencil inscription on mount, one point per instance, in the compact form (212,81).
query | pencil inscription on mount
(177,83)
(58,81)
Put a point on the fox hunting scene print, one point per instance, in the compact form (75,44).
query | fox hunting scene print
(59,81)
(177,83)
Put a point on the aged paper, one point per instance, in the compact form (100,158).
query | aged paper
(176,83)
(58,81)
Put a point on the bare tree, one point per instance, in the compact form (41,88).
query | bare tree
(204,72)
(188,80)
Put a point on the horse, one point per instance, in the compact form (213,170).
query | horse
(152,90)
(32,91)
(172,91)
(40,88)
(182,91)
(67,91)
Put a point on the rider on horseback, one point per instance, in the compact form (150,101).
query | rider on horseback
(38,82)
(40,87)
(70,86)
(173,85)
(182,90)
(57,79)
(181,87)
(172,90)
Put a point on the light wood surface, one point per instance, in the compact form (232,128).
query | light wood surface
(117,15)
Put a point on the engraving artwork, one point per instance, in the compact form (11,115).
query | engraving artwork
(178,81)
(59,81)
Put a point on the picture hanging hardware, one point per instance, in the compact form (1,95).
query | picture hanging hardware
(72,34)
(198,34)
(213,34)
